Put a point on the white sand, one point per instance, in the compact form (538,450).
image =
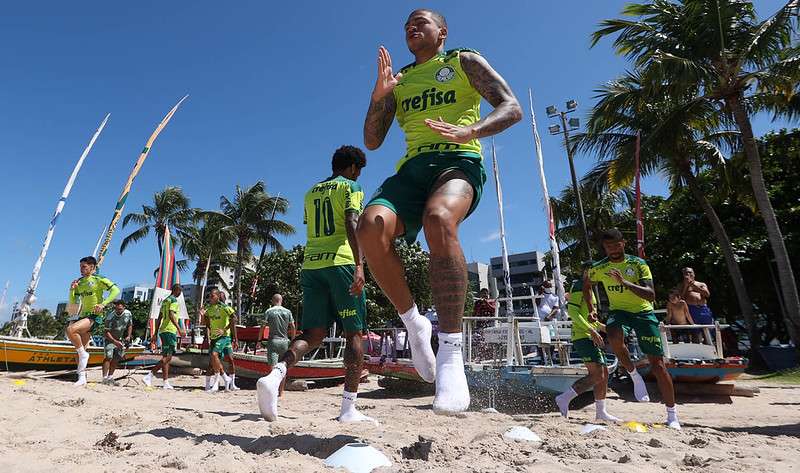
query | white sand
(49,426)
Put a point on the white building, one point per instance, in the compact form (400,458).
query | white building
(526,271)
(480,278)
(136,293)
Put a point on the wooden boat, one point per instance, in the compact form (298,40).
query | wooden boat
(326,363)
(254,366)
(696,362)
(400,368)
(20,354)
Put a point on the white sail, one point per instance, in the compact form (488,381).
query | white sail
(21,315)
(548,210)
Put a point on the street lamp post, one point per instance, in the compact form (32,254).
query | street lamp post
(565,127)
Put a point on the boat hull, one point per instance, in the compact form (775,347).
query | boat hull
(402,368)
(695,371)
(22,354)
(524,381)
(255,366)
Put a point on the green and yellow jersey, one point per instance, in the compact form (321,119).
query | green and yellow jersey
(89,292)
(324,215)
(633,269)
(170,304)
(436,88)
(218,316)
(578,312)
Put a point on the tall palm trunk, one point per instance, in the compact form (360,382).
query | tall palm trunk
(785,274)
(238,275)
(743,298)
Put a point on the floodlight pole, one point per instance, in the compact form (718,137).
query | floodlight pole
(575,188)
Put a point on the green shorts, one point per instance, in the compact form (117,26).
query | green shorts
(645,324)
(406,193)
(276,347)
(327,299)
(588,351)
(169,343)
(97,319)
(222,346)
(113,352)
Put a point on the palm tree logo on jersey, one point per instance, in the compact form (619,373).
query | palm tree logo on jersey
(445,74)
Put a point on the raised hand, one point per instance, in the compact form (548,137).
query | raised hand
(616,276)
(454,133)
(386,81)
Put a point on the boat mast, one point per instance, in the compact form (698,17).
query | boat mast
(550,221)
(5,293)
(127,188)
(99,240)
(510,351)
(20,317)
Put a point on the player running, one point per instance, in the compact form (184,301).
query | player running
(629,286)
(332,279)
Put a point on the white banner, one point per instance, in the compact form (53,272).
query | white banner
(159,294)
(528,334)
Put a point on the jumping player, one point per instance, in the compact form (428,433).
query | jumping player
(438,183)
(88,291)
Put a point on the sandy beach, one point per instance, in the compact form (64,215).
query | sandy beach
(46,425)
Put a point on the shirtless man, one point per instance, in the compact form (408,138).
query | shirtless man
(696,294)
(678,314)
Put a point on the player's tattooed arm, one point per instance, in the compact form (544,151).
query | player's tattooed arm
(382,104)
(379,119)
(496,91)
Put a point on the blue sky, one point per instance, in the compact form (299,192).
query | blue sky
(273,91)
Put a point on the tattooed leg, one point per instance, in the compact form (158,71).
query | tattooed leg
(446,208)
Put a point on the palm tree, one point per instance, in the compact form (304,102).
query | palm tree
(602,210)
(732,61)
(170,207)
(207,245)
(677,142)
(248,218)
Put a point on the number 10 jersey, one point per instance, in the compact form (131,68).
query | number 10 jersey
(325,207)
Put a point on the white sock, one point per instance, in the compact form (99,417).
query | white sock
(148,379)
(267,392)
(452,391)
(167,385)
(349,413)
(672,418)
(639,388)
(81,379)
(602,413)
(563,400)
(419,337)
(226,381)
(83,359)
(208,383)
(214,383)
(233,386)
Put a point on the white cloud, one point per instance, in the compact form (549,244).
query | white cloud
(494,236)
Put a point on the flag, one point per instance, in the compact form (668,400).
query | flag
(166,276)
(639,220)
